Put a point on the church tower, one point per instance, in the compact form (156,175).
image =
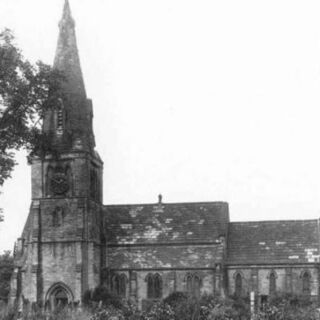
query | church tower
(59,254)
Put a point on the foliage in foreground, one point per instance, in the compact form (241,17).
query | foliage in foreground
(178,306)
(6,268)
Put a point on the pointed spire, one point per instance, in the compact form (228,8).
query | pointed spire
(67,56)
(76,110)
(66,15)
(66,9)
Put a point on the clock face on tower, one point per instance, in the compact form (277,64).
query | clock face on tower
(59,183)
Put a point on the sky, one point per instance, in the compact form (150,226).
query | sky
(200,100)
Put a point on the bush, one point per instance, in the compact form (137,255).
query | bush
(39,314)
(101,295)
(288,307)
(108,313)
(175,298)
(177,306)
(159,311)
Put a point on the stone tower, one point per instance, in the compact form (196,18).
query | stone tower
(58,256)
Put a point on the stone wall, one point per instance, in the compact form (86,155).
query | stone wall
(288,279)
(172,280)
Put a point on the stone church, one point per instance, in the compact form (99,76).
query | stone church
(72,242)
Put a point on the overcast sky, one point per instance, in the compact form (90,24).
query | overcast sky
(199,100)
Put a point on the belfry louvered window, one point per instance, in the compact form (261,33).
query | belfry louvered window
(60,120)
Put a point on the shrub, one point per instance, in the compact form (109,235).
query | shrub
(107,313)
(288,307)
(101,295)
(159,311)
(175,298)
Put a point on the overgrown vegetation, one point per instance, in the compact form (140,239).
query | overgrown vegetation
(26,91)
(99,304)
(6,268)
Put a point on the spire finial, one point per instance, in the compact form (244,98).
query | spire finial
(66,15)
(66,6)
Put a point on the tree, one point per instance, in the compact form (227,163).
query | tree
(6,268)
(26,91)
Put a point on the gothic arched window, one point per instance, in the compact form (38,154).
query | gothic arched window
(123,286)
(193,284)
(150,291)
(238,285)
(119,285)
(189,283)
(154,286)
(272,284)
(306,283)
(196,286)
(157,286)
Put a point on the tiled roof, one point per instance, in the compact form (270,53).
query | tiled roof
(295,241)
(166,223)
(171,256)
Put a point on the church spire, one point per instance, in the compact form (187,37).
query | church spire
(66,10)
(70,123)
(67,56)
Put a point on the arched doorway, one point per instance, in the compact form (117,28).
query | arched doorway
(58,296)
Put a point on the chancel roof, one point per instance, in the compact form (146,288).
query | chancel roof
(290,241)
(166,223)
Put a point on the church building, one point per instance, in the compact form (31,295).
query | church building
(72,242)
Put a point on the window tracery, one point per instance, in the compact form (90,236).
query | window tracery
(193,284)
(154,286)
(119,285)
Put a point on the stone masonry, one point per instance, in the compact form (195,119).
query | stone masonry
(71,242)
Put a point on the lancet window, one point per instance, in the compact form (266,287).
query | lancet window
(238,285)
(306,283)
(193,283)
(119,285)
(272,283)
(154,286)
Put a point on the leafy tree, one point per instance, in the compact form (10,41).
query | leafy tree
(6,268)
(24,96)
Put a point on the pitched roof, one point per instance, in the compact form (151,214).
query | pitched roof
(291,241)
(172,256)
(166,223)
